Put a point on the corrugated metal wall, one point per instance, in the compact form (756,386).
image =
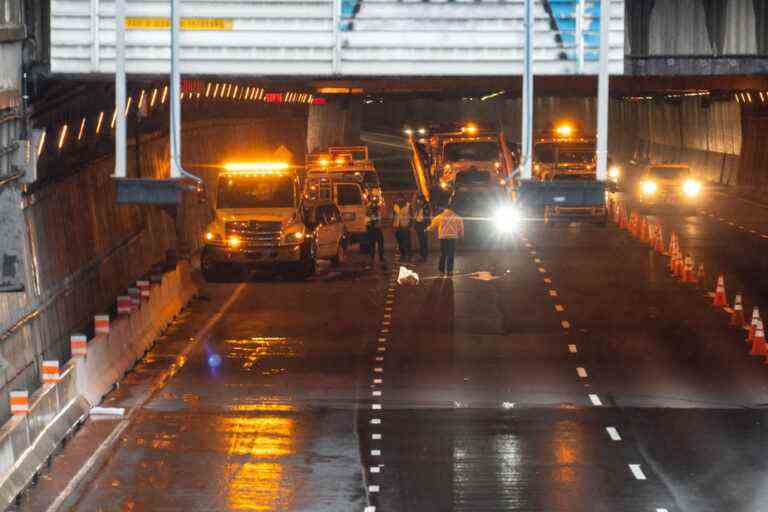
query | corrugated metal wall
(696,27)
(706,135)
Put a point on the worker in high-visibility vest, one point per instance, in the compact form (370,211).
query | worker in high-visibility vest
(450,227)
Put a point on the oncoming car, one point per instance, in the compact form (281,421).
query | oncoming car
(669,184)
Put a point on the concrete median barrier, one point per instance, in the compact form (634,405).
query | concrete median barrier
(29,438)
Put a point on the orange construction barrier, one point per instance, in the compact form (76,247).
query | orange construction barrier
(720,298)
(758,344)
(737,317)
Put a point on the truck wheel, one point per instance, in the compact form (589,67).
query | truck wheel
(308,264)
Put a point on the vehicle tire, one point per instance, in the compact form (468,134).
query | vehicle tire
(341,254)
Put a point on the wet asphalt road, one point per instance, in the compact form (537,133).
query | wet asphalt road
(582,378)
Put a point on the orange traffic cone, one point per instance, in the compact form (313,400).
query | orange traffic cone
(680,266)
(758,344)
(700,275)
(737,317)
(720,299)
(660,240)
(753,324)
(689,276)
(644,229)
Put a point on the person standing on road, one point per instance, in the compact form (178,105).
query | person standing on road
(402,224)
(450,227)
(421,221)
(375,235)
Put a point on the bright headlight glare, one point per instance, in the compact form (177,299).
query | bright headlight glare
(649,187)
(234,241)
(614,172)
(691,187)
(212,236)
(506,219)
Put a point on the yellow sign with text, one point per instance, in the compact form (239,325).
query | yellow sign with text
(147,23)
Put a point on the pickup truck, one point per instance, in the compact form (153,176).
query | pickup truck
(563,201)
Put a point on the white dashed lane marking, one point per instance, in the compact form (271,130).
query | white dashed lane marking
(376,407)
(595,400)
(542,270)
(566,324)
(375,453)
(373,489)
(375,421)
(376,437)
(547,280)
(553,293)
(613,433)
(637,471)
(572,349)
(581,372)
(559,308)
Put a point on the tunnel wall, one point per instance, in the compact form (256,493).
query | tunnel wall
(705,134)
(83,249)
(336,123)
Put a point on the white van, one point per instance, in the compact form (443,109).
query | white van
(346,193)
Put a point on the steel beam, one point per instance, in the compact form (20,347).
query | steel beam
(602,93)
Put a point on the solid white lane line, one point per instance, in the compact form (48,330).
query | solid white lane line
(637,471)
(613,433)
(572,349)
(595,400)
(582,372)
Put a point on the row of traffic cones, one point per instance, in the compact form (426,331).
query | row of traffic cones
(683,267)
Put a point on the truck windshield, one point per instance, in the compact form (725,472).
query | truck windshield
(550,153)
(577,156)
(477,151)
(669,173)
(256,192)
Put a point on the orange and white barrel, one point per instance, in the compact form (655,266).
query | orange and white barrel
(143,287)
(50,372)
(124,305)
(101,324)
(19,402)
(78,345)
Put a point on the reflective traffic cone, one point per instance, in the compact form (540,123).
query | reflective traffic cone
(660,240)
(700,275)
(758,343)
(680,266)
(737,317)
(689,276)
(644,229)
(720,299)
(753,324)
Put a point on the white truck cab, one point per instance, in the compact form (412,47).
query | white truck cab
(259,222)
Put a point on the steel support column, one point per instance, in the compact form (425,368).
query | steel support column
(527,100)
(602,93)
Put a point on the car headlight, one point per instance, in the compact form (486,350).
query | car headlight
(294,236)
(214,237)
(443,185)
(614,173)
(234,241)
(691,188)
(649,187)
(506,219)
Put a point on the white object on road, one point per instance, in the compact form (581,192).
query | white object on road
(407,277)
(108,411)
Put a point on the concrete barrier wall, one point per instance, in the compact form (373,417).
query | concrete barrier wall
(83,249)
(28,440)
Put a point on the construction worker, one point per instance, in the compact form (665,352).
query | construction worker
(402,223)
(450,227)
(375,235)
(421,219)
